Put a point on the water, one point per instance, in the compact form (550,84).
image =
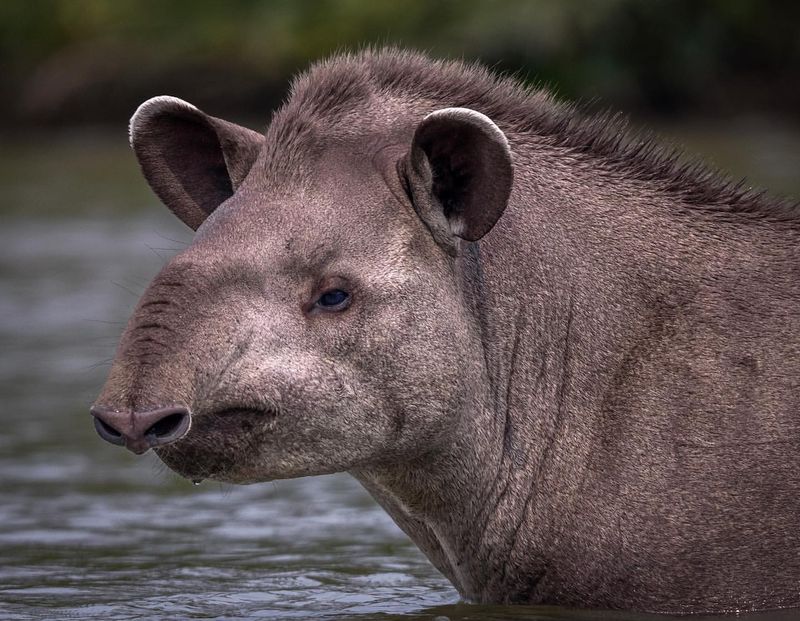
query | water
(89,531)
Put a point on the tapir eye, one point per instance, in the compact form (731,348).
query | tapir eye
(334,300)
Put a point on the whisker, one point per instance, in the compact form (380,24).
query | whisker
(124,288)
(176,241)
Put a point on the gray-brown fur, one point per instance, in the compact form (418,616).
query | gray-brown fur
(595,404)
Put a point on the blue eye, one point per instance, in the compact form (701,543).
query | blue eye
(335,299)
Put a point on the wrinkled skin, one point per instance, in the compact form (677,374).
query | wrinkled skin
(570,380)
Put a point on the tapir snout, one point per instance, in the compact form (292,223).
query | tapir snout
(140,431)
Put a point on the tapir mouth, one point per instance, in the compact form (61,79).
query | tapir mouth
(246,418)
(219,443)
(231,420)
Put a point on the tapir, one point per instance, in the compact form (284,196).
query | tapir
(565,360)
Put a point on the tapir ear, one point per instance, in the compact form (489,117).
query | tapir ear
(192,161)
(459,174)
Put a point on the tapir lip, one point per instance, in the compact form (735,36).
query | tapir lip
(228,420)
(230,411)
(260,412)
(208,452)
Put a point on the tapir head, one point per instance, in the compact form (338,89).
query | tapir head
(319,321)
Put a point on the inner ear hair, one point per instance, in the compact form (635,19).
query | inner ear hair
(452,180)
(467,173)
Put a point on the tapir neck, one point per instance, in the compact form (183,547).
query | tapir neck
(442,500)
(553,323)
(467,504)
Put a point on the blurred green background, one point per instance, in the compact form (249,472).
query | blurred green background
(88,531)
(89,61)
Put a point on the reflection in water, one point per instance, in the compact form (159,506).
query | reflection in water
(88,531)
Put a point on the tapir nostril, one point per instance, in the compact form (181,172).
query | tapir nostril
(171,427)
(141,430)
(108,433)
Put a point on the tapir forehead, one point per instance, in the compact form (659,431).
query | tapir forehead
(347,203)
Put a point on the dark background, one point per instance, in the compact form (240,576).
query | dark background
(92,61)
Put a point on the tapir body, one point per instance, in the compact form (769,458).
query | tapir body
(563,361)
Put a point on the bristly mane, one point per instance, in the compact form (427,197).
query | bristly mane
(335,87)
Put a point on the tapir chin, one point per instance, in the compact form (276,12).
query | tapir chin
(565,361)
